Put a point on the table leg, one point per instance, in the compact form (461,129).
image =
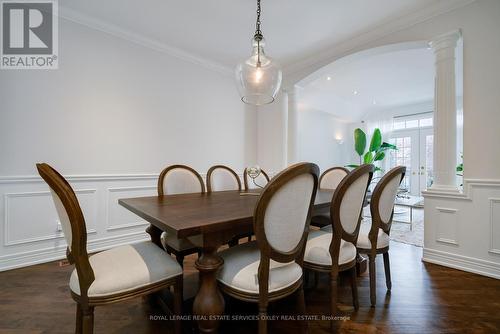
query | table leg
(155,234)
(208,301)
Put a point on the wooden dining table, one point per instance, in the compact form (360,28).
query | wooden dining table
(214,218)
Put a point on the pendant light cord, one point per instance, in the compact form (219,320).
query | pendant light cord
(258,34)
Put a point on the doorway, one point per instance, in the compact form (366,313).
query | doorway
(414,138)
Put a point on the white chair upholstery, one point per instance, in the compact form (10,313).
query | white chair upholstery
(127,268)
(63,218)
(318,249)
(352,204)
(221,179)
(181,181)
(241,265)
(286,213)
(387,199)
(332,178)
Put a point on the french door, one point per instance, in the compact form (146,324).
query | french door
(415,149)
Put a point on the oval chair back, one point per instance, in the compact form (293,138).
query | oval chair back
(180,179)
(331,177)
(347,206)
(282,216)
(72,223)
(382,201)
(221,178)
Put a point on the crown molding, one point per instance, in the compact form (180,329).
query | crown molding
(114,30)
(300,69)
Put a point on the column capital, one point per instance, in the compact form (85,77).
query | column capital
(445,41)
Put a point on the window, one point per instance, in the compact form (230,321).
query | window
(412,121)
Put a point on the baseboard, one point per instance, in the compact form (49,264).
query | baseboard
(19,260)
(460,262)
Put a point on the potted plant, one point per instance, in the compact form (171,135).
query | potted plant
(376,150)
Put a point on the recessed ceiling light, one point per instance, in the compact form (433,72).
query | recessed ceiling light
(355,92)
(328,78)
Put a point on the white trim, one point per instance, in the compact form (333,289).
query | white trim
(18,260)
(492,203)
(467,192)
(465,263)
(134,37)
(83,177)
(314,62)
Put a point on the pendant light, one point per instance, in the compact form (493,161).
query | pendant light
(259,77)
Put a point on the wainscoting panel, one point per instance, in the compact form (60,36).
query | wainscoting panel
(120,218)
(462,230)
(447,226)
(495,225)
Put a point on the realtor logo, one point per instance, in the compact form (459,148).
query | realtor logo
(29,34)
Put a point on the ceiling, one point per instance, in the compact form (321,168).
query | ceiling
(372,83)
(374,80)
(220,31)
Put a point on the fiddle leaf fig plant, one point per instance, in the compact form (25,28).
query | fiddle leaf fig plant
(376,151)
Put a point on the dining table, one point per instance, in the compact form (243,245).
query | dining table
(210,220)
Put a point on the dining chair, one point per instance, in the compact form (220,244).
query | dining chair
(112,275)
(330,179)
(336,252)
(374,239)
(221,178)
(173,180)
(270,268)
(261,180)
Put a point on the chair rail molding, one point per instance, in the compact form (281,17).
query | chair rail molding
(462,230)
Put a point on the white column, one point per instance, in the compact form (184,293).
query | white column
(445,113)
(292,125)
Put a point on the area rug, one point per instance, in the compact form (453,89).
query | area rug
(400,232)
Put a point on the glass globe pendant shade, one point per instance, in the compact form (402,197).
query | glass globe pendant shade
(259,77)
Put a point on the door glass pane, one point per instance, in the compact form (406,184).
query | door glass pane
(429,141)
(402,157)
(426,122)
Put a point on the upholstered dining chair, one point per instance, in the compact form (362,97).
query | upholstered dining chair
(330,179)
(374,239)
(220,178)
(261,180)
(270,268)
(336,252)
(173,180)
(113,275)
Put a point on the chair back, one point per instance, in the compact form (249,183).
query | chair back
(180,179)
(72,223)
(220,178)
(331,177)
(347,204)
(383,198)
(261,180)
(283,213)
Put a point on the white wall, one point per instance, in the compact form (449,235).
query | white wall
(118,107)
(317,133)
(112,116)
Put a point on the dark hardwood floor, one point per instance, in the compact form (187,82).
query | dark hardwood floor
(425,298)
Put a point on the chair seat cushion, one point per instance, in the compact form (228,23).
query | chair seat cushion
(241,264)
(364,242)
(127,268)
(179,245)
(318,249)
